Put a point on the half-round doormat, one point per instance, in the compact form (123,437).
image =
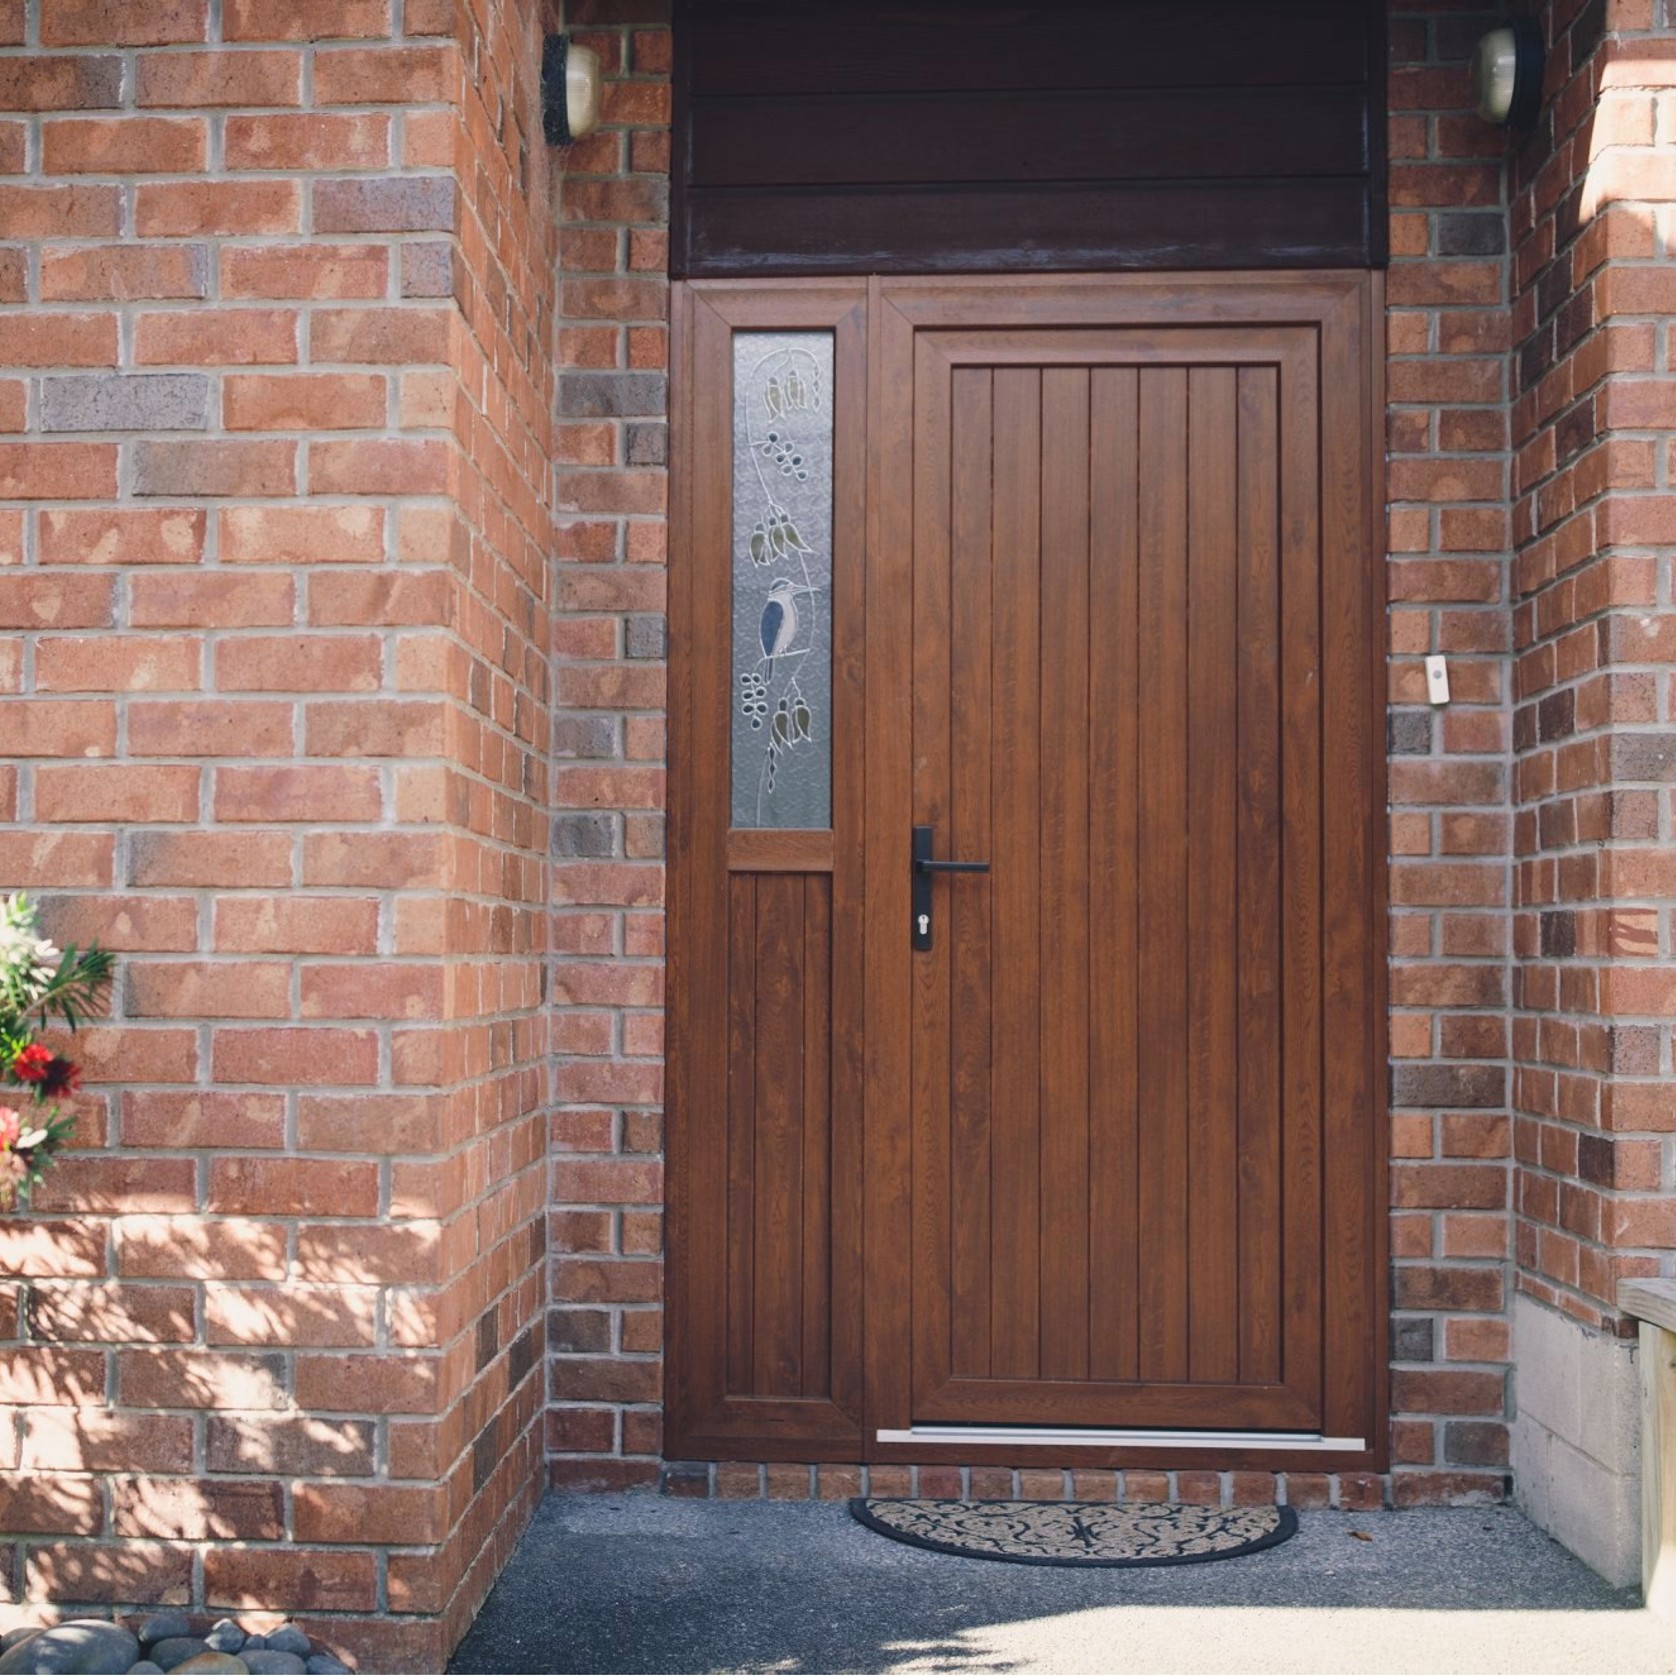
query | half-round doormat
(1079,1532)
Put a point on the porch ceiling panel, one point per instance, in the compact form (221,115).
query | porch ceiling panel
(817,136)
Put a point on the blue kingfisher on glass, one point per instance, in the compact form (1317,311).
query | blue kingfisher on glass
(778,629)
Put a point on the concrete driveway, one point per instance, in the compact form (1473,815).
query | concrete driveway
(639,1583)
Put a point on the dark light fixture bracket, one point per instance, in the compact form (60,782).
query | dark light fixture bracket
(570,89)
(1507,69)
(555,115)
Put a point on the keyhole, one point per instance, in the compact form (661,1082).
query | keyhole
(925,925)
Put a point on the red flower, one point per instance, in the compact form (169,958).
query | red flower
(62,1077)
(32,1064)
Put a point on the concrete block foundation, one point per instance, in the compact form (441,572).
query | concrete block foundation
(1576,1438)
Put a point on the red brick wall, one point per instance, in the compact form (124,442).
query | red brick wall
(1594,422)
(274,515)
(604,1428)
(1447,474)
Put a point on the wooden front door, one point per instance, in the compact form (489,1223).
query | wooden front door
(1087,1142)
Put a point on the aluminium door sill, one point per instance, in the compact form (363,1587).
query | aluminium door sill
(1091,1437)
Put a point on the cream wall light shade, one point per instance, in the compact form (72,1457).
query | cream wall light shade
(570,90)
(1507,73)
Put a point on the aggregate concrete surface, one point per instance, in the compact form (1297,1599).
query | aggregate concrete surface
(641,1583)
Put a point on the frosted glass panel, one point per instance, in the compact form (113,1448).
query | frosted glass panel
(782,579)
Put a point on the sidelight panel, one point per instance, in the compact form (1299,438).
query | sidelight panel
(763,1111)
(782,579)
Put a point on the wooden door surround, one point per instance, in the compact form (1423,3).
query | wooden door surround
(1105,611)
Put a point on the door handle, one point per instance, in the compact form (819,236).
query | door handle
(926,868)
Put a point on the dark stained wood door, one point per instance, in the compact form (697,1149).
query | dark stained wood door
(1100,1033)
(1106,1156)
(1137,1085)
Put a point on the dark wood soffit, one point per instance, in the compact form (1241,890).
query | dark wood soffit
(946,136)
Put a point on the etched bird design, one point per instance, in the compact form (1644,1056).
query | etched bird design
(778,629)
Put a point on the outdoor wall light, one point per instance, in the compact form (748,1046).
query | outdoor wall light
(1507,73)
(569,90)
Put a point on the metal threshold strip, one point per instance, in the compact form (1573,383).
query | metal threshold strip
(1124,1438)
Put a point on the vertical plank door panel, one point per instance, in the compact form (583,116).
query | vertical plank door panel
(741,1132)
(1212,765)
(777,1140)
(1062,747)
(815,1231)
(1015,712)
(1161,858)
(1114,744)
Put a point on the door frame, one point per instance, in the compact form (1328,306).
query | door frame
(1356,1212)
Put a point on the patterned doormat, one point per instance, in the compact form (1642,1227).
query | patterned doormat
(1079,1532)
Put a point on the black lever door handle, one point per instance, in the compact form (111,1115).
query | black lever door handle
(925,867)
